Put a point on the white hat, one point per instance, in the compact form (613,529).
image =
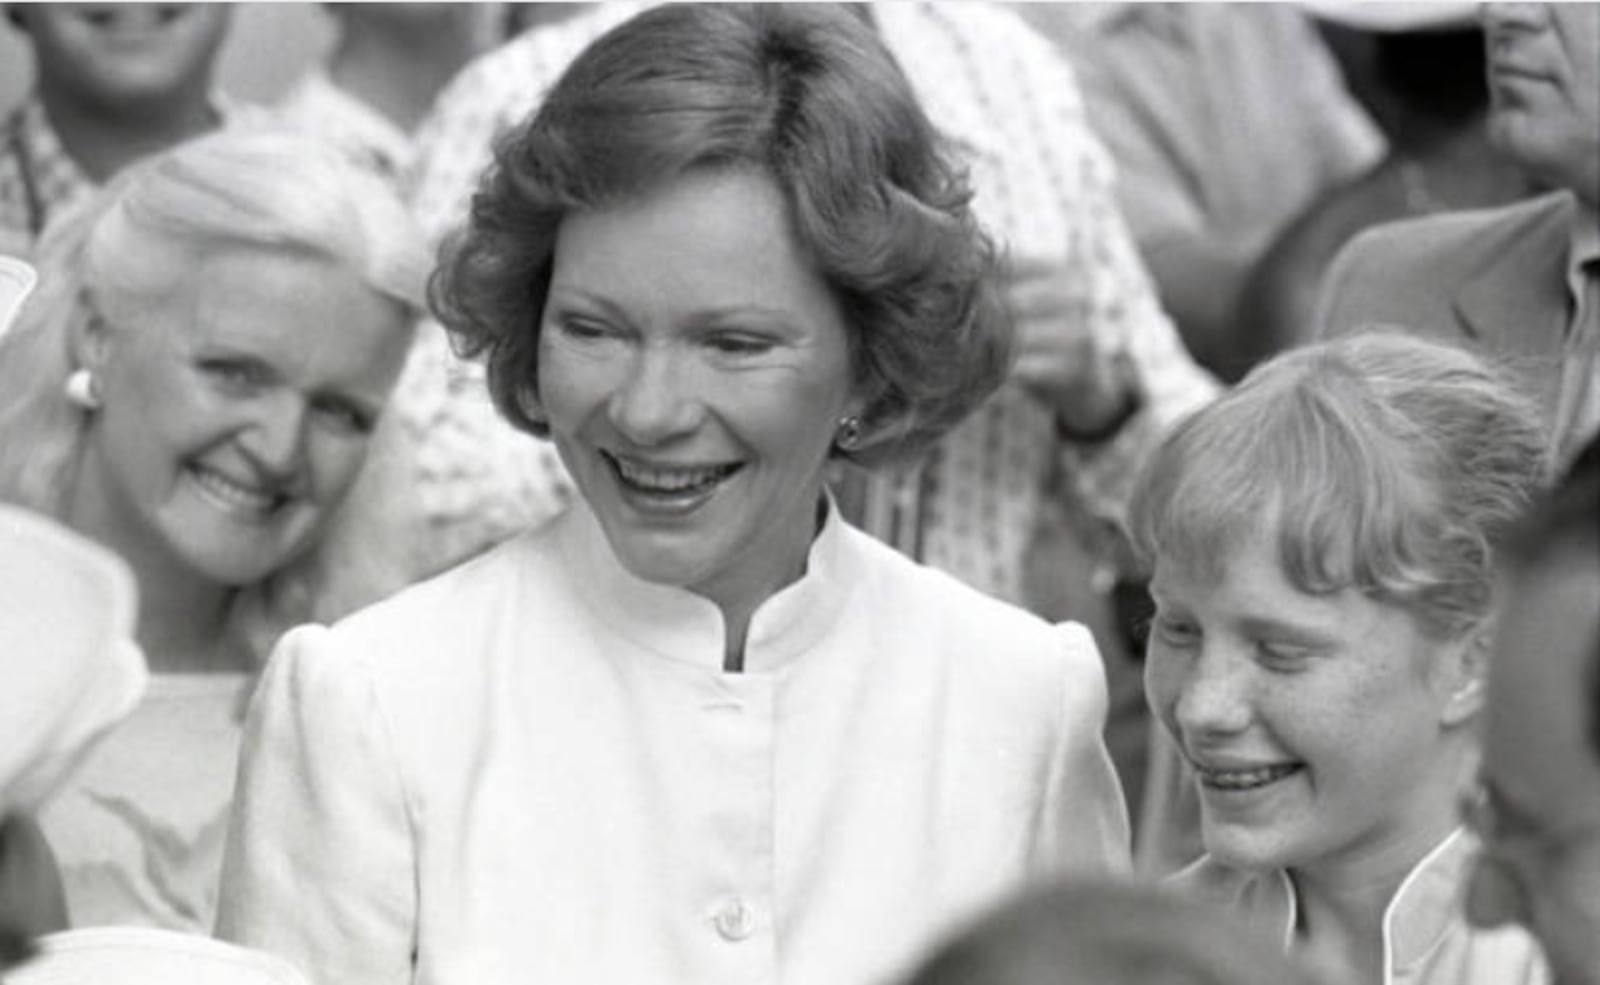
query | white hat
(69,669)
(147,956)
(16,283)
(1386,17)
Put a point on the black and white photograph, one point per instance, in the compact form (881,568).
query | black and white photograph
(914,492)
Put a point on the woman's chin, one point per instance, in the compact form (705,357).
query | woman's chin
(1254,850)
(660,560)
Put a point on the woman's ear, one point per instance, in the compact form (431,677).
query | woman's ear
(89,340)
(1467,675)
(878,422)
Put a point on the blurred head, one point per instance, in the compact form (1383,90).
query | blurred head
(726,229)
(1409,64)
(1439,75)
(1320,546)
(1108,934)
(400,15)
(1544,86)
(242,307)
(1538,807)
(422,23)
(122,57)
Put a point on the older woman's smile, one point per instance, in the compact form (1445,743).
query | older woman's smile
(251,501)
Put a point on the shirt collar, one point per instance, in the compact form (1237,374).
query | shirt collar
(1421,911)
(679,625)
(1427,902)
(1584,242)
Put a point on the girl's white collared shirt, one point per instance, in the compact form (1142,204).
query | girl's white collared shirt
(1426,937)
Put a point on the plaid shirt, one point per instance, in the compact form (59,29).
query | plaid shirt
(39,180)
(1044,188)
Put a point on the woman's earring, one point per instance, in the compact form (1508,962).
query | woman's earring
(849,433)
(81,390)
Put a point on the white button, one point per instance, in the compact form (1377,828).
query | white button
(735,920)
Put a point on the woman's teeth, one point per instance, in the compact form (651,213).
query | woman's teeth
(1248,779)
(232,494)
(671,480)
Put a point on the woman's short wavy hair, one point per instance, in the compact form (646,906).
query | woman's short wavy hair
(809,95)
(140,246)
(1382,462)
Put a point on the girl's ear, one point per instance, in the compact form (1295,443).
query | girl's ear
(1467,675)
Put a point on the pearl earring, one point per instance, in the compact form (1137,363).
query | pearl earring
(849,434)
(81,390)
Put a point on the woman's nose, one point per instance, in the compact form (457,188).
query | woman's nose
(657,401)
(1214,696)
(275,437)
(1494,897)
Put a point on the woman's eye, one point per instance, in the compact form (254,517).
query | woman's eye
(1174,632)
(235,373)
(739,344)
(345,418)
(1282,656)
(583,329)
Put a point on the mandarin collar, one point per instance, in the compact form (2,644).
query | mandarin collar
(676,624)
(1427,902)
(1419,914)
(1584,241)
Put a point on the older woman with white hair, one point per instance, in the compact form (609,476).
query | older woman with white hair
(1321,543)
(195,385)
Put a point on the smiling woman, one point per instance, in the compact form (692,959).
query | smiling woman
(195,385)
(693,369)
(699,728)
(1321,543)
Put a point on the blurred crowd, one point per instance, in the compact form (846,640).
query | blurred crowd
(922,492)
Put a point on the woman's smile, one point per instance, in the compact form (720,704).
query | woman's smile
(1245,780)
(244,500)
(668,488)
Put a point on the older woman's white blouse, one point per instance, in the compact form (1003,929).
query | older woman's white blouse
(533,769)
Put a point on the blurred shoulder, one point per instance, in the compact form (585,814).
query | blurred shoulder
(1454,239)
(1412,271)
